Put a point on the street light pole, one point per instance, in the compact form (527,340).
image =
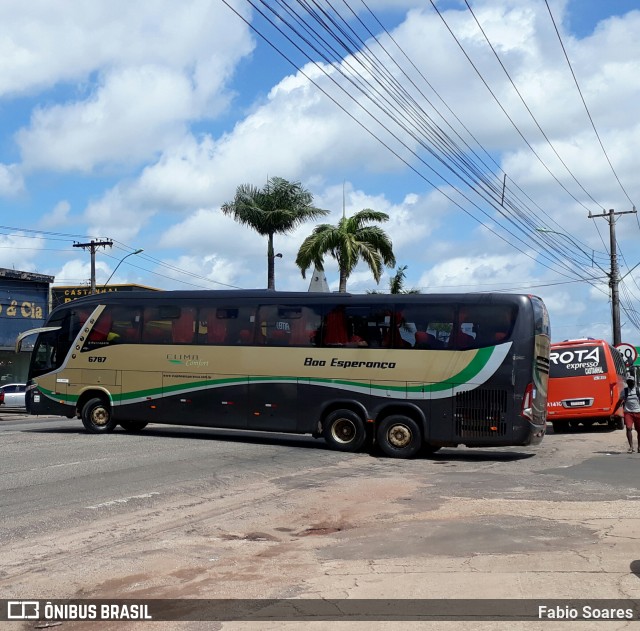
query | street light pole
(120,263)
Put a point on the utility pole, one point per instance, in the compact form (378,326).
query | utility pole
(614,276)
(92,248)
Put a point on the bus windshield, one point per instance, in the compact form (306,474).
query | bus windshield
(52,346)
(578,361)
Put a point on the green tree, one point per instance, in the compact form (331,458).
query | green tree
(277,208)
(396,283)
(351,241)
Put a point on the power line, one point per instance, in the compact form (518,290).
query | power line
(281,21)
(573,74)
(535,120)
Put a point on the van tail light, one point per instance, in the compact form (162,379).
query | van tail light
(527,402)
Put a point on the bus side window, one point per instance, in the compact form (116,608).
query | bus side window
(183,328)
(158,324)
(334,327)
(101,328)
(276,323)
(493,324)
(126,326)
(426,326)
(464,333)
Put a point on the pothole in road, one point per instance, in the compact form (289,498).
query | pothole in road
(318,531)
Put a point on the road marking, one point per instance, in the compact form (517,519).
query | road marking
(124,500)
(68,464)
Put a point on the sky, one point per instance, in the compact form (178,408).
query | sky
(487,131)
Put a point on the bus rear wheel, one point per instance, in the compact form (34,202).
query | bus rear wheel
(399,436)
(344,430)
(97,418)
(133,426)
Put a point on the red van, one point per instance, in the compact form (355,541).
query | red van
(587,378)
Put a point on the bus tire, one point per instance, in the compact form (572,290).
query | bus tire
(344,430)
(133,426)
(399,436)
(97,417)
(560,427)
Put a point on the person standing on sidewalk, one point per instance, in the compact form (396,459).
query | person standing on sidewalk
(631,408)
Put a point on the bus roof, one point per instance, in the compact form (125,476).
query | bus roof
(579,341)
(273,297)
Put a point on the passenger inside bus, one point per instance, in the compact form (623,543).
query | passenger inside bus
(424,339)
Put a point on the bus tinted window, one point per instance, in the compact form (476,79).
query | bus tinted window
(357,326)
(488,325)
(230,325)
(115,325)
(425,326)
(577,362)
(289,325)
(435,327)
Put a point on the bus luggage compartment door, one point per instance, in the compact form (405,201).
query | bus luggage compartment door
(210,400)
(273,404)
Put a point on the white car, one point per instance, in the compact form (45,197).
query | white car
(13,395)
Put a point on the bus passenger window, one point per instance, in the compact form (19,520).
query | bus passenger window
(463,336)
(334,328)
(492,324)
(158,324)
(183,328)
(126,326)
(101,329)
(304,329)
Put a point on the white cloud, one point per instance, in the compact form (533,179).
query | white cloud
(139,109)
(59,216)
(45,43)
(18,251)
(113,216)
(197,270)
(78,272)
(479,273)
(11,181)
(149,86)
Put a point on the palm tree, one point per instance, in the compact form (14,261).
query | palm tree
(396,284)
(277,208)
(349,242)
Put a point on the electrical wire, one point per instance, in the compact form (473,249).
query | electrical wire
(575,79)
(281,19)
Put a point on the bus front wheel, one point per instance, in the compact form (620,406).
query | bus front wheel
(133,426)
(344,430)
(399,436)
(97,418)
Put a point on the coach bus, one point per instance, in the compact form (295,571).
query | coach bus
(407,372)
(586,381)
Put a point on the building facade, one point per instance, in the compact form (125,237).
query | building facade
(24,305)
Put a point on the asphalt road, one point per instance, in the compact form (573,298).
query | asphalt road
(198,513)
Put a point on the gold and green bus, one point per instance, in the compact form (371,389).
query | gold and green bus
(405,372)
